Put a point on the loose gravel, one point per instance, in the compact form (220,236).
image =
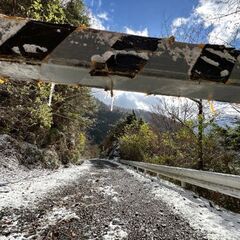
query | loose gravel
(106,203)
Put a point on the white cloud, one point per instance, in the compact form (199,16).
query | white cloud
(178,22)
(97,3)
(95,21)
(220,16)
(103,15)
(144,32)
(131,100)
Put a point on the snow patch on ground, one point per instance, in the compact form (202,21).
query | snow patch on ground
(57,215)
(109,191)
(115,231)
(217,223)
(32,190)
(20,161)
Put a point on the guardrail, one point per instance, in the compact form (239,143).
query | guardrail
(223,183)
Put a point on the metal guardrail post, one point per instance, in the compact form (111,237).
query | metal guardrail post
(183,184)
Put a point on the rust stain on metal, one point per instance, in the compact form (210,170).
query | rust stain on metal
(201,45)
(128,56)
(12,17)
(82,27)
(171,41)
(120,63)
(125,64)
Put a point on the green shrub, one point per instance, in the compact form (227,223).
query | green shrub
(138,142)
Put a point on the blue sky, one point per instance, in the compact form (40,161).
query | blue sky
(163,18)
(141,14)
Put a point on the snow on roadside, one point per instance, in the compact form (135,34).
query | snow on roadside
(57,215)
(115,231)
(30,191)
(216,223)
(109,191)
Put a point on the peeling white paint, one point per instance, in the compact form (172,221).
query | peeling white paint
(198,72)
(74,42)
(108,38)
(162,44)
(108,54)
(161,48)
(31,48)
(143,55)
(103,58)
(225,54)
(224,73)
(210,61)
(16,50)
(189,54)
(9,27)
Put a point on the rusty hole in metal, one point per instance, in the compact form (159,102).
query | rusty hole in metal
(99,69)
(127,65)
(206,70)
(136,43)
(38,34)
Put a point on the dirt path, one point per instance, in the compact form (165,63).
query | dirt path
(104,202)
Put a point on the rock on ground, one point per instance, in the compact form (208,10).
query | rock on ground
(18,160)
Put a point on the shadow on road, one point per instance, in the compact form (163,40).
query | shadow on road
(104,164)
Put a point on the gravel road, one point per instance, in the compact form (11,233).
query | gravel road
(105,203)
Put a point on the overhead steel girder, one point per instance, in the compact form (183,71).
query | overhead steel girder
(31,50)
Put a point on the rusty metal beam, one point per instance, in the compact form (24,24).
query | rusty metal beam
(31,50)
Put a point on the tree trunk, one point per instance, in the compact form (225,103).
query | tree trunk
(200,135)
(14,4)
